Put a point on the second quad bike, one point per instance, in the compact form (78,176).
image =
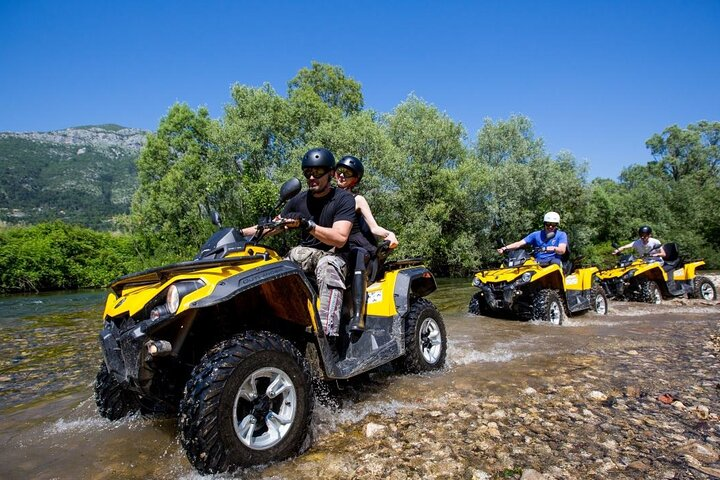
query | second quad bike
(229,340)
(522,288)
(645,279)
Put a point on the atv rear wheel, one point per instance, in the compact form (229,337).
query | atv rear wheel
(113,401)
(477,304)
(425,339)
(650,292)
(704,289)
(249,401)
(548,307)
(598,301)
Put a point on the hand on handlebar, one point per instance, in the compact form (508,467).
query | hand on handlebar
(392,240)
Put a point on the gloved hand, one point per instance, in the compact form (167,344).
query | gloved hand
(304,223)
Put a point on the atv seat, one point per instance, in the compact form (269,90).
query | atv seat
(672,257)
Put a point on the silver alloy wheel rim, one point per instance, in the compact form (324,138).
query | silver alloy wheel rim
(555,314)
(430,340)
(600,305)
(706,290)
(276,422)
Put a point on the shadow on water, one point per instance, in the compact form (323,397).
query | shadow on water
(49,356)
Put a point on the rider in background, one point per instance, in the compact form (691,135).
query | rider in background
(551,241)
(645,245)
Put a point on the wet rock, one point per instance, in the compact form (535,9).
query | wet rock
(374,430)
(702,452)
(530,474)
(666,398)
(597,396)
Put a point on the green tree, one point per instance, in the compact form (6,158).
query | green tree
(331,85)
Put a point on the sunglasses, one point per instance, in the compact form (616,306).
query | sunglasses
(345,172)
(316,172)
(554,225)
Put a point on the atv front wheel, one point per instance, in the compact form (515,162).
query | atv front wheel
(548,307)
(650,292)
(249,401)
(477,304)
(598,301)
(704,289)
(425,339)
(113,401)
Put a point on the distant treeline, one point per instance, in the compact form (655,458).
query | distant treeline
(448,198)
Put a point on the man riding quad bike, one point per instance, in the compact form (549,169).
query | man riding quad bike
(523,288)
(647,278)
(224,339)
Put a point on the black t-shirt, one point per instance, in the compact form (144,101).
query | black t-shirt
(335,206)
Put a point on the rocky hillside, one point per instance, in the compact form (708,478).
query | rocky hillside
(84,175)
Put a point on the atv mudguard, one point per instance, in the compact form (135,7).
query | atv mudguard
(383,339)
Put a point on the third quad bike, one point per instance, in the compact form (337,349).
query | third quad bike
(523,288)
(644,279)
(227,340)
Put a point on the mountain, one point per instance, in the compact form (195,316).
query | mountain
(84,175)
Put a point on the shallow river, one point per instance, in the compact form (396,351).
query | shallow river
(49,354)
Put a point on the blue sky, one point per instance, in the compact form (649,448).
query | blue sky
(597,78)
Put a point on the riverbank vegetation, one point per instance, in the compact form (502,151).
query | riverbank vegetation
(448,197)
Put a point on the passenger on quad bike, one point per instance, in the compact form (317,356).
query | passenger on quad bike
(645,245)
(326,216)
(551,242)
(363,237)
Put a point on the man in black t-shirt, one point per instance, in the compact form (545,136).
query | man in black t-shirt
(326,215)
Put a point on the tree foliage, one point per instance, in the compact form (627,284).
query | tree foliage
(448,199)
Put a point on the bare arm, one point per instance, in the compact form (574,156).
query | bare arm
(624,247)
(512,246)
(337,235)
(362,205)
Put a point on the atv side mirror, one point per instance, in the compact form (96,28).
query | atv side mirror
(615,245)
(288,190)
(500,242)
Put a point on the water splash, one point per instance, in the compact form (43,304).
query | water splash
(462,353)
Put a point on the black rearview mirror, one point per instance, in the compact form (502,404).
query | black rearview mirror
(288,190)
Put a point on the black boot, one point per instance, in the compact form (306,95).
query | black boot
(359,289)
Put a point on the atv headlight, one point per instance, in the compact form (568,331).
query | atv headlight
(178,290)
(476,282)
(525,278)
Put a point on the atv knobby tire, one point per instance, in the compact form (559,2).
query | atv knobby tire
(249,401)
(113,401)
(477,304)
(704,289)
(425,339)
(547,306)
(649,292)
(598,300)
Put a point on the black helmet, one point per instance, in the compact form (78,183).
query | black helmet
(644,230)
(354,164)
(319,157)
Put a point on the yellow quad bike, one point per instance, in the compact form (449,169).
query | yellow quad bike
(524,289)
(227,340)
(644,279)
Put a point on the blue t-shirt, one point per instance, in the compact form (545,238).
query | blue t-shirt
(539,239)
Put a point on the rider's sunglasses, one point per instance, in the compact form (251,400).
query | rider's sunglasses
(554,225)
(316,172)
(345,172)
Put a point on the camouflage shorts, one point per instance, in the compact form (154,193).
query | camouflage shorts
(329,270)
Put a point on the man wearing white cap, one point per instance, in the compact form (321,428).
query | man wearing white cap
(551,241)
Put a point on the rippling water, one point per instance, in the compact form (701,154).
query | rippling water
(49,356)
